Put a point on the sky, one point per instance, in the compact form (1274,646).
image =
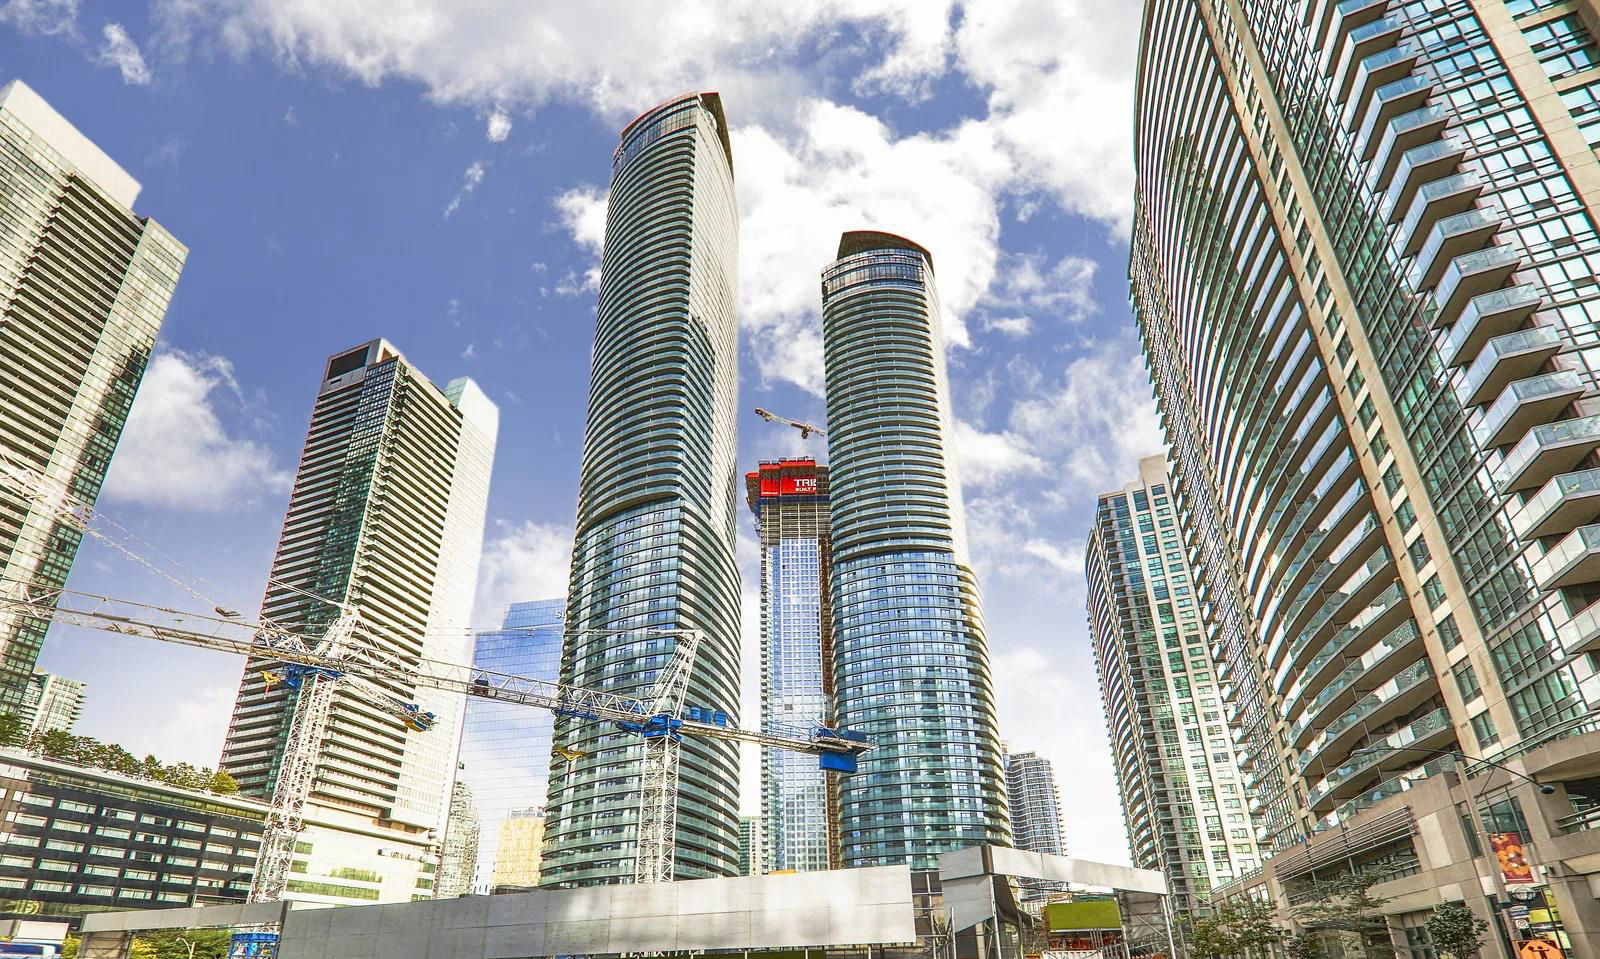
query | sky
(435,174)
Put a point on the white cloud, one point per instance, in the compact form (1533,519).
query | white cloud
(121,52)
(1027,283)
(470,179)
(175,451)
(523,561)
(1068,562)
(498,126)
(1009,325)
(986,458)
(40,16)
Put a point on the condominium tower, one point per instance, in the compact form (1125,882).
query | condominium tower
(790,499)
(1183,795)
(1035,804)
(52,702)
(1363,269)
(84,286)
(386,515)
(505,747)
(911,662)
(657,497)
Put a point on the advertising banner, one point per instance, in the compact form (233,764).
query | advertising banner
(1514,868)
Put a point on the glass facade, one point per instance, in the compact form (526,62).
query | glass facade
(911,662)
(657,497)
(1403,190)
(1183,795)
(505,747)
(84,287)
(798,803)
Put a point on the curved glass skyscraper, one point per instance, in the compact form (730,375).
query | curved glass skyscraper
(657,496)
(911,664)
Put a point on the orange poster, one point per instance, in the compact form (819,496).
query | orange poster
(1514,868)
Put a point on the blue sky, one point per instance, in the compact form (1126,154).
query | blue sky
(435,174)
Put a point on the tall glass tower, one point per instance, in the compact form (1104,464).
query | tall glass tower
(911,662)
(658,496)
(84,287)
(790,500)
(505,747)
(1183,796)
(1363,266)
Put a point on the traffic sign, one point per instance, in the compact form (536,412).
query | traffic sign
(1539,949)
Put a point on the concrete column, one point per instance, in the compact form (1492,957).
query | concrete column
(106,945)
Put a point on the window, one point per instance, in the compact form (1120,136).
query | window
(1483,728)
(1467,681)
(1449,632)
(1433,591)
(40,885)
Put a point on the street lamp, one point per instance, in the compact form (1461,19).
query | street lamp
(1544,788)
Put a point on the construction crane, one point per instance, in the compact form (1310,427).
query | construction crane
(346,654)
(806,429)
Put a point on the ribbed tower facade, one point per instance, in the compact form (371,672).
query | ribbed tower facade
(1183,795)
(911,661)
(1363,267)
(658,496)
(798,803)
(387,515)
(1035,804)
(84,287)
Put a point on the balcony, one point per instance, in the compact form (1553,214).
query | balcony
(1380,69)
(1488,315)
(1561,505)
(1343,700)
(1418,165)
(1506,358)
(1472,275)
(1525,403)
(1451,237)
(1392,786)
(1574,560)
(1382,615)
(1441,198)
(1406,131)
(1581,633)
(1359,43)
(1343,16)
(1343,782)
(1547,450)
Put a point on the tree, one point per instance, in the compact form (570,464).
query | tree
(1348,914)
(1455,931)
(13,731)
(1234,929)
(208,943)
(223,783)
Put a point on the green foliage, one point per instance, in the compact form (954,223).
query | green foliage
(1346,918)
(1233,929)
(208,944)
(69,949)
(88,751)
(1455,931)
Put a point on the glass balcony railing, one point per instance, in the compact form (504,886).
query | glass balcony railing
(1381,137)
(1578,634)
(1547,387)
(1393,786)
(1464,187)
(1334,600)
(1374,610)
(1360,763)
(1556,567)
(1375,69)
(1477,322)
(1363,707)
(1576,434)
(1560,489)
(1452,228)
(1538,339)
(1469,273)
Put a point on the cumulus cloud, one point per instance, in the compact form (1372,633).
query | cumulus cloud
(521,562)
(175,450)
(121,52)
(40,16)
(986,458)
(498,126)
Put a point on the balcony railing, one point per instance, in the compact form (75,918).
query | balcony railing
(1472,274)
(1581,633)
(1506,358)
(1438,199)
(1548,449)
(1487,316)
(1432,722)
(1508,417)
(1576,559)
(1451,237)
(1393,786)
(1407,679)
(1560,499)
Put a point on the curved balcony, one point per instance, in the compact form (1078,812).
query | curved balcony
(1424,123)
(1418,165)
(1511,356)
(1396,749)
(1581,633)
(1343,697)
(1339,563)
(1361,589)
(1574,560)
(1343,17)
(1383,615)
(1393,786)
(1561,505)
(1360,43)
(1344,782)
(1524,403)
(1454,194)
(1487,316)
(1471,275)
(1358,586)
(1547,450)
(1451,237)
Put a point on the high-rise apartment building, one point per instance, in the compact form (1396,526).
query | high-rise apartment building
(798,803)
(657,497)
(518,851)
(911,661)
(1183,795)
(752,848)
(387,516)
(52,702)
(1364,251)
(505,747)
(1035,804)
(84,287)
(458,854)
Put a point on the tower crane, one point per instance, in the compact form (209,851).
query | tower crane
(806,429)
(347,655)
